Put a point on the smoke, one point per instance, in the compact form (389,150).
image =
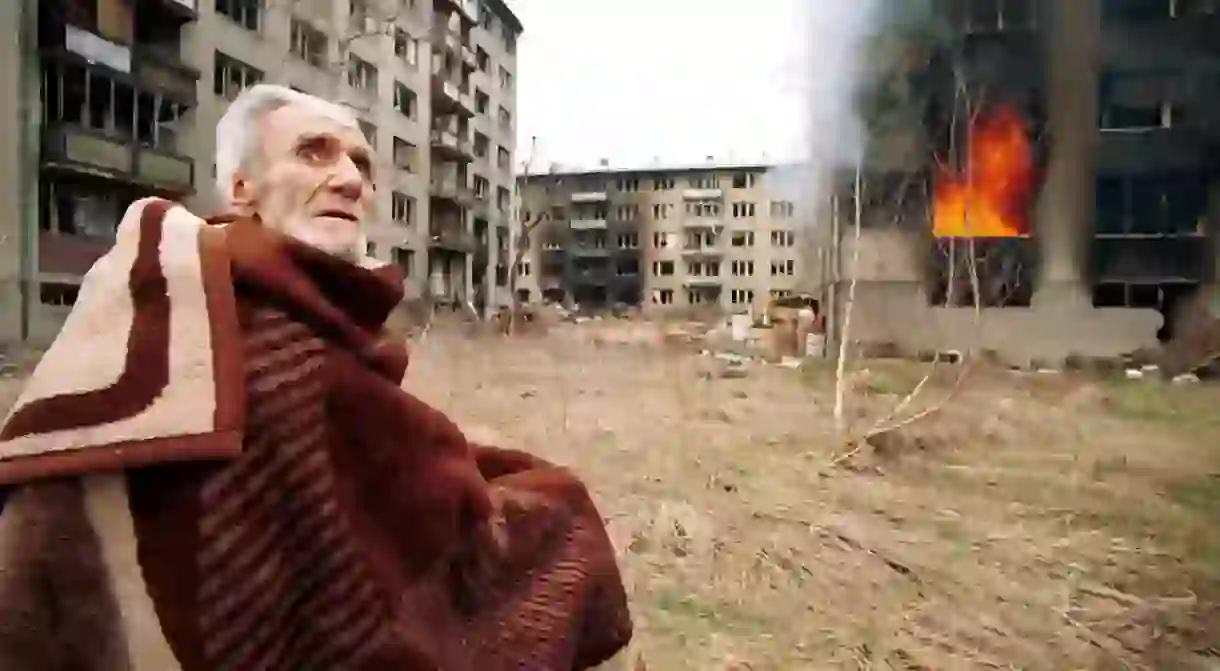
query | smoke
(831,71)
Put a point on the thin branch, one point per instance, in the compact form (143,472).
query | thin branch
(845,333)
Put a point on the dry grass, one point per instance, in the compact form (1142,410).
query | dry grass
(1040,522)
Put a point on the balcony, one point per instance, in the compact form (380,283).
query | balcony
(468,10)
(442,36)
(451,238)
(452,190)
(447,97)
(589,252)
(702,194)
(699,223)
(692,251)
(587,224)
(96,49)
(83,151)
(589,197)
(161,71)
(450,147)
(597,275)
(698,281)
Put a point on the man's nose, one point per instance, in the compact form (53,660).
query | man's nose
(348,180)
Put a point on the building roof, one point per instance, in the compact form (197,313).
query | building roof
(506,15)
(652,168)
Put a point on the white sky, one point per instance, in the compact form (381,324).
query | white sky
(629,80)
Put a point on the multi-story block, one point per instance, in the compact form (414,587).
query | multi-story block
(129,94)
(711,236)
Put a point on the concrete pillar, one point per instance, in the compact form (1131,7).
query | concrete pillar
(1064,214)
(19,128)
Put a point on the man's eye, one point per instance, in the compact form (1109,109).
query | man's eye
(318,150)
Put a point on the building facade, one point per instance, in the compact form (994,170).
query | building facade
(667,239)
(1118,100)
(122,99)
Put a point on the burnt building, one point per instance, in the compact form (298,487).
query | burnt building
(1075,167)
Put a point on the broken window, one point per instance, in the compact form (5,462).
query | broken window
(1174,204)
(1004,268)
(307,43)
(231,76)
(245,13)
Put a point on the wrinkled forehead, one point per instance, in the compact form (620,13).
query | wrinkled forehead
(283,128)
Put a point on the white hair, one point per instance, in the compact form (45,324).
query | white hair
(237,131)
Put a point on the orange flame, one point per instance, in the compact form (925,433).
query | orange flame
(992,198)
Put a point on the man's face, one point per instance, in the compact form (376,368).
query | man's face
(311,178)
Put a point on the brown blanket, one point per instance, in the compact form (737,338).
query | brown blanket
(215,467)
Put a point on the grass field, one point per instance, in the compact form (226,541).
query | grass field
(1037,522)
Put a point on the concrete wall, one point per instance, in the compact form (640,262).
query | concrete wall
(15,169)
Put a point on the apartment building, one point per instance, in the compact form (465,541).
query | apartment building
(128,95)
(1109,111)
(689,237)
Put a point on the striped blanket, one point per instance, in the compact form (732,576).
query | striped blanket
(215,467)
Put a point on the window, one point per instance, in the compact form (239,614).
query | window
(370,249)
(506,118)
(482,187)
(708,268)
(1003,268)
(660,240)
(482,145)
(483,60)
(90,99)
(503,198)
(486,19)
(404,155)
(1152,205)
(481,101)
(362,75)
(742,210)
(523,268)
(661,210)
(1139,100)
(245,13)
(402,208)
(628,240)
(307,43)
(741,296)
(405,100)
(510,40)
(703,209)
(782,209)
(405,259)
(743,268)
(663,296)
(1137,10)
(629,184)
(704,182)
(743,238)
(406,48)
(503,158)
(779,268)
(627,268)
(744,180)
(662,183)
(662,268)
(783,238)
(369,131)
(231,76)
(627,212)
(506,79)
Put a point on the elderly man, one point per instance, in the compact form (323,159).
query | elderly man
(215,466)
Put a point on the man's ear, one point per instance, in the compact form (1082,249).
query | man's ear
(243,192)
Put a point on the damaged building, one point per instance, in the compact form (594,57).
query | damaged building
(1068,156)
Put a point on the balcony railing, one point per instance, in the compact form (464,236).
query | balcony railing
(587,224)
(451,238)
(451,189)
(703,194)
(97,49)
(703,222)
(703,281)
(589,251)
(92,152)
(703,250)
(589,197)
